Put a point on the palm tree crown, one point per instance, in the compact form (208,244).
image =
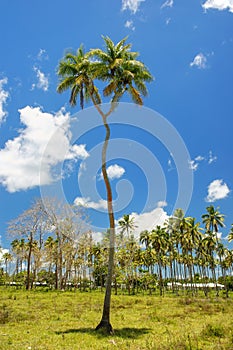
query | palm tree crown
(75,73)
(213,219)
(118,66)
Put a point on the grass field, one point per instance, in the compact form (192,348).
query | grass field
(66,320)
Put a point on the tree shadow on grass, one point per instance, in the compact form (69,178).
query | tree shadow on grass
(126,333)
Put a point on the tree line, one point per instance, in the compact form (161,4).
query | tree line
(53,245)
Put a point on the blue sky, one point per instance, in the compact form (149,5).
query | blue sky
(188,47)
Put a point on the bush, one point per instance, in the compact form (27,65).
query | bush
(213,331)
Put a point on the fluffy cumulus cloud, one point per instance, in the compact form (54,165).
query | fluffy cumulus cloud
(28,160)
(218,5)
(115,171)
(199,61)
(42,80)
(87,203)
(132,5)
(217,189)
(3,98)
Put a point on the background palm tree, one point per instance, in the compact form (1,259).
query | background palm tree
(118,68)
(230,235)
(127,225)
(212,220)
(7,257)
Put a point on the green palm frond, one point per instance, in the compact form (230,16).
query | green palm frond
(121,43)
(117,96)
(140,85)
(66,69)
(135,95)
(115,64)
(73,96)
(110,88)
(96,95)
(65,84)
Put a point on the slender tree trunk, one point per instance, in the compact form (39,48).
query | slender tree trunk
(28,267)
(105,320)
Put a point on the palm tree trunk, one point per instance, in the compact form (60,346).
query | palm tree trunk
(29,263)
(105,320)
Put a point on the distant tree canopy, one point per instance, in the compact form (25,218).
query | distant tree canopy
(56,248)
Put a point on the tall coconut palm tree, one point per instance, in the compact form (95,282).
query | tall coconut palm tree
(126,224)
(7,257)
(118,68)
(159,241)
(145,237)
(192,238)
(213,219)
(15,246)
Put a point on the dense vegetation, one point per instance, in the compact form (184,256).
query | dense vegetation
(53,246)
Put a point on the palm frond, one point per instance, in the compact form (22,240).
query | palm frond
(74,93)
(135,95)
(110,88)
(140,85)
(96,95)
(66,69)
(65,84)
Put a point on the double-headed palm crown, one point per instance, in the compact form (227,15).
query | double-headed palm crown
(116,65)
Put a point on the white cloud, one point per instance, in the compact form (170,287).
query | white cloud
(199,158)
(199,61)
(194,164)
(218,5)
(115,171)
(217,189)
(86,202)
(3,97)
(129,24)
(43,80)
(21,158)
(161,204)
(168,3)
(42,55)
(132,5)
(77,151)
(212,158)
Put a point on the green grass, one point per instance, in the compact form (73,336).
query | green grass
(66,320)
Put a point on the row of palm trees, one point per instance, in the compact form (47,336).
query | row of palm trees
(178,251)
